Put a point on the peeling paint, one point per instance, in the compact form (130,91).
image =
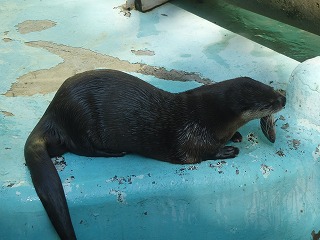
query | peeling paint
(295,143)
(316,153)
(59,163)
(119,194)
(124,9)
(7,39)
(265,170)
(127,179)
(145,52)
(76,60)
(67,187)
(13,184)
(8,114)
(252,139)
(218,166)
(280,153)
(184,170)
(29,26)
(285,126)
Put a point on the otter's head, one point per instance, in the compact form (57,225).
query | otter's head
(252,99)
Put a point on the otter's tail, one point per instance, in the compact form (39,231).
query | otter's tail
(48,185)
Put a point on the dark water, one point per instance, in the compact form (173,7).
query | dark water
(283,38)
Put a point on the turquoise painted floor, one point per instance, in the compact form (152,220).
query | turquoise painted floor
(270,191)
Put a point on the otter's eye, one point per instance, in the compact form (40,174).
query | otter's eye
(269,105)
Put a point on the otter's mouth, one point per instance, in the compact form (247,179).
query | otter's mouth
(267,123)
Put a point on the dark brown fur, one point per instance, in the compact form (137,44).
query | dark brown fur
(107,113)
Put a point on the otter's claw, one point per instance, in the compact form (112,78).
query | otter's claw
(227,152)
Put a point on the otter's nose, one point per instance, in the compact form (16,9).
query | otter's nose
(282,100)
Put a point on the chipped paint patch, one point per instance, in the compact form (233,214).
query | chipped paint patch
(285,126)
(252,139)
(67,184)
(218,166)
(8,114)
(124,9)
(265,170)
(76,60)
(12,184)
(29,26)
(184,170)
(119,194)
(59,163)
(128,179)
(7,39)
(280,153)
(316,153)
(143,52)
(294,144)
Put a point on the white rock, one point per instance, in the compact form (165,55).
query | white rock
(303,92)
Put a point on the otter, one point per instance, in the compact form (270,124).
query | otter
(108,113)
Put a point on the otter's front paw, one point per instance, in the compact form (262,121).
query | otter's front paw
(227,152)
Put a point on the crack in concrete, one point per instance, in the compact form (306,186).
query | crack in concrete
(76,60)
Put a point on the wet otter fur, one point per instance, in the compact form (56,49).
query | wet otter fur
(108,113)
